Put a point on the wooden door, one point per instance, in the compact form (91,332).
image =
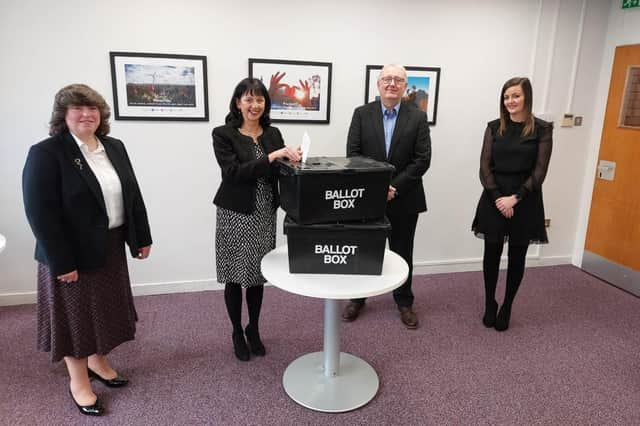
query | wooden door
(612,247)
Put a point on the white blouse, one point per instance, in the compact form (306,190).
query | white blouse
(108,179)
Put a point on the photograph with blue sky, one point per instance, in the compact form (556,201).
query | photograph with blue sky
(420,83)
(159,74)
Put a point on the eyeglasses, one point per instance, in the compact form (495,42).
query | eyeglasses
(388,80)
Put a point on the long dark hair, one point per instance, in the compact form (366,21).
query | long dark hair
(529,121)
(78,95)
(254,87)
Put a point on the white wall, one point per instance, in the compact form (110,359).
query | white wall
(478,45)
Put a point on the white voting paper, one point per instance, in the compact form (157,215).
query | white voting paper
(306,144)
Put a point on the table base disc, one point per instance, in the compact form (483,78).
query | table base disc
(355,385)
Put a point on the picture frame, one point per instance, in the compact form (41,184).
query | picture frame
(423,84)
(159,87)
(300,91)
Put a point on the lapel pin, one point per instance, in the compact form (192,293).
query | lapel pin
(78,163)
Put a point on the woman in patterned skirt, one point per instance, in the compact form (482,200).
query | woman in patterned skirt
(513,164)
(83,203)
(247,199)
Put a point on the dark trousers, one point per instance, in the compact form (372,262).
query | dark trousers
(403,232)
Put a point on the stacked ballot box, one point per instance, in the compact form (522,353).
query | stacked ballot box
(335,209)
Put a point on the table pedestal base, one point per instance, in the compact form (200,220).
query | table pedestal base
(307,384)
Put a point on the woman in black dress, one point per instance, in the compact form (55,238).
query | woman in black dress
(247,199)
(513,164)
(83,203)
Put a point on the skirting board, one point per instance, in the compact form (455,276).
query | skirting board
(475,264)
(146,289)
(419,268)
(149,289)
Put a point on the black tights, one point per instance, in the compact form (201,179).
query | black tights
(491,266)
(233,300)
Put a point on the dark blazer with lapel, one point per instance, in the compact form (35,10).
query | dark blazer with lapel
(241,170)
(65,207)
(409,153)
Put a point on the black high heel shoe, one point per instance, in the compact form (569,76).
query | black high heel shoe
(253,338)
(240,347)
(118,382)
(95,409)
(490,311)
(502,321)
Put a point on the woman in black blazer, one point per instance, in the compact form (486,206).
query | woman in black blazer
(83,203)
(247,199)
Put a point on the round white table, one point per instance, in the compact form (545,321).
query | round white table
(332,381)
(3,242)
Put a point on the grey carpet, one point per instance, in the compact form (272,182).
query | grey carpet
(571,356)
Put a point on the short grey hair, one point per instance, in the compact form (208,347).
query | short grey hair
(388,66)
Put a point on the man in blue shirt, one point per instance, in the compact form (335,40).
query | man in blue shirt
(398,133)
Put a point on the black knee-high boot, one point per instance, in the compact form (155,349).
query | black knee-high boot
(515,272)
(254,304)
(233,301)
(490,269)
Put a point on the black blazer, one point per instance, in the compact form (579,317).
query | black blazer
(240,169)
(65,207)
(410,150)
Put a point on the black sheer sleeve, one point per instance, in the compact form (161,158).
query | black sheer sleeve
(534,182)
(487,179)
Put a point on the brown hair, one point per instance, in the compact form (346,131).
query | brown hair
(78,95)
(529,121)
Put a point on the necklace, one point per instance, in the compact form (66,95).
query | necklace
(252,134)
(95,142)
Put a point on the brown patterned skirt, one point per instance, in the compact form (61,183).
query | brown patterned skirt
(91,316)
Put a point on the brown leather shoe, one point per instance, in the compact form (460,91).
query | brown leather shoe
(408,317)
(351,311)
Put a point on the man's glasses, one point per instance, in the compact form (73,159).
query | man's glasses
(397,80)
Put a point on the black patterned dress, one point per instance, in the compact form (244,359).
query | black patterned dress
(242,240)
(513,164)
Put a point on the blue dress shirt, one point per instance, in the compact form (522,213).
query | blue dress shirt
(389,118)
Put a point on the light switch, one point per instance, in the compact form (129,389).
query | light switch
(567,120)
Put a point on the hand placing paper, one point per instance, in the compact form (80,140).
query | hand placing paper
(306,145)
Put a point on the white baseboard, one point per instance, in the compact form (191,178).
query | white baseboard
(9,299)
(148,289)
(419,268)
(475,264)
(143,289)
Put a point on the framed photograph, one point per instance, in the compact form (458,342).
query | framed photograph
(300,91)
(422,88)
(154,86)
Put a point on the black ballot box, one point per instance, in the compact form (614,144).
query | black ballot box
(334,189)
(355,247)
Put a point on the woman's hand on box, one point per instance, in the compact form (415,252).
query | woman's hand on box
(286,152)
